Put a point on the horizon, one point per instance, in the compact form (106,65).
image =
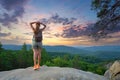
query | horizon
(77,46)
(65,24)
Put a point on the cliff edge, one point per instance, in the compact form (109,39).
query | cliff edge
(49,73)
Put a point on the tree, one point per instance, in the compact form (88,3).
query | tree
(59,61)
(75,61)
(44,56)
(1,47)
(108,12)
(6,60)
(24,47)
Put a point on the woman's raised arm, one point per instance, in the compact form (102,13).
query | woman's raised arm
(31,25)
(43,27)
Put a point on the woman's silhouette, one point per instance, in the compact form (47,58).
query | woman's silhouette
(37,43)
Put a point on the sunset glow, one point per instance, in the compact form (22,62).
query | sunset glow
(65,20)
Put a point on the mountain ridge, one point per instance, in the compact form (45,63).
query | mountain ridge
(104,52)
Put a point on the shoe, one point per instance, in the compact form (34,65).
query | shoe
(37,66)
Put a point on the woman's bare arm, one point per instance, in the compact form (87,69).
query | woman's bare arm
(43,27)
(31,25)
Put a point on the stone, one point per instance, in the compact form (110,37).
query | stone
(113,73)
(49,73)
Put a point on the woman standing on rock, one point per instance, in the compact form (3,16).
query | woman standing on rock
(37,43)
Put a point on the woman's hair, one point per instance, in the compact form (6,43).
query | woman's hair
(37,28)
(38,23)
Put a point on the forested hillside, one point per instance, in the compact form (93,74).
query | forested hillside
(12,59)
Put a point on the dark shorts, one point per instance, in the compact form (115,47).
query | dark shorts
(36,45)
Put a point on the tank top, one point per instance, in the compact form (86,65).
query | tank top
(38,35)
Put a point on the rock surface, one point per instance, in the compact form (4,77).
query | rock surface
(114,71)
(49,73)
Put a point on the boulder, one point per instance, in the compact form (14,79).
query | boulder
(49,73)
(114,71)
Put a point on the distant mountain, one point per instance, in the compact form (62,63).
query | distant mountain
(102,48)
(15,47)
(106,52)
(66,49)
(60,49)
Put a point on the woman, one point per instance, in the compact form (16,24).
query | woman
(37,43)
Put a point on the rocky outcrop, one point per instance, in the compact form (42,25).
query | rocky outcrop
(114,71)
(49,73)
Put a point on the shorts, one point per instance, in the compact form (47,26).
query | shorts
(36,45)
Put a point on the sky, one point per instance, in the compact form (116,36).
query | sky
(65,19)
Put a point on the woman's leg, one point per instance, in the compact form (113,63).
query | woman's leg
(35,56)
(39,55)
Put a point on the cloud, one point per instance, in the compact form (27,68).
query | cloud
(113,29)
(57,35)
(57,19)
(70,29)
(7,41)
(73,31)
(15,40)
(0,28)
(12,10)
(4,34)
(30,33)
(21,38)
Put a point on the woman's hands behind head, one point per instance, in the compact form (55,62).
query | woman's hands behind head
(38,22)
